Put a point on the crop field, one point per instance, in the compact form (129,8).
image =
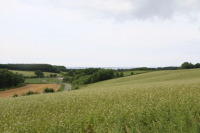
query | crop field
(31,87)
(160,101)
(42,80)
(32,73)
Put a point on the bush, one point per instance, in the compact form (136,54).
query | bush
(15,95)
(30,93)
(48,90)
(132,73)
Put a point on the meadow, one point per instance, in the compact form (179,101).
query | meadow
(128,73)
(32,73)
(42,81)
(160,101)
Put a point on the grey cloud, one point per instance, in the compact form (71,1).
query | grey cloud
(155,8)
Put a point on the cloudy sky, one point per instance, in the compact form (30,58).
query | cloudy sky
(100,33)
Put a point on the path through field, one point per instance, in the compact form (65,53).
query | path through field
(30,87)
(67,87)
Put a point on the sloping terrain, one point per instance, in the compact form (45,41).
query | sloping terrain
(161,101)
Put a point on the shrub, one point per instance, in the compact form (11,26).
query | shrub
(48,90)
(132,73)
(30,93)
(15,95)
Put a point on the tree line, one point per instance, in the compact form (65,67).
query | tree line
(10,79)
(91,75)
(34,67)
(187,65)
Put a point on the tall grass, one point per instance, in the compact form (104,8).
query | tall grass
(165,101)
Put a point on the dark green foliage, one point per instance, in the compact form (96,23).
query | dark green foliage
(187,65)
(39,74)
(48,90)
(197,65)
(121,74)
(10,79)
(34,67)
(117,74)
(132,73)
(59,69)
(100,75)
(53,75)
(30,93)
(15,95)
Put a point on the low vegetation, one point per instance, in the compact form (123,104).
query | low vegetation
(62,87)
(48,90)
(30,93)
(161,101)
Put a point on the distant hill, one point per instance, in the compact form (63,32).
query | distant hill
(34,67)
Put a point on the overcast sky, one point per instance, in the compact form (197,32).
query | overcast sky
(100,33)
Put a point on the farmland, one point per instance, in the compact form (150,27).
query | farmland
(31,73)
(161,101)
(31,87)
(41,80)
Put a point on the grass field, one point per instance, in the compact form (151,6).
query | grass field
(32,87)
(32,73)
(128,73)
(42,80)
(161,101)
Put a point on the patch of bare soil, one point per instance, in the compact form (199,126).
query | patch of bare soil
(31,87)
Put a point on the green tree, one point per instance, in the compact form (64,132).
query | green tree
(121,74)
(197,65)
(187,65)
(132,73)
(39,74)
(117,74)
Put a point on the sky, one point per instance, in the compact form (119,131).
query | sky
(100,33)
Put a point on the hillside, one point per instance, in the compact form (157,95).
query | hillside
(161,101)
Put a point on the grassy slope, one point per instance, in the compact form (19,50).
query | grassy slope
(128,73)
(162,101)
(42,81)
(32,73)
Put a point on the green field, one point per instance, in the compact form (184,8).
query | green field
(161,101)
(32,73)
(128,73)
(42,80)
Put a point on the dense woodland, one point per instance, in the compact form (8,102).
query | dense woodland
(10,79)
(90,75)
(33,67)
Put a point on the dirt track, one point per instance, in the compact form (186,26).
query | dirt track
(32,87)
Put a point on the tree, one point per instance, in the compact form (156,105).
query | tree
(121,74)
(9,79)
(187,65)
(131,73)
(197,65)
(39,74)
(117,74)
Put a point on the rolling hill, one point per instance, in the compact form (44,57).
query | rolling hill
(161,101)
